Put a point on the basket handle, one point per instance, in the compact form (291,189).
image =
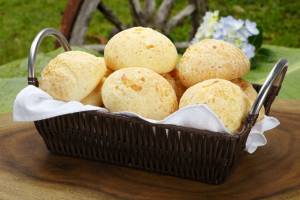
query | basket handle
(32,80)
(274,78)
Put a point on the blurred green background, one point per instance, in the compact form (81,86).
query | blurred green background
(21,20)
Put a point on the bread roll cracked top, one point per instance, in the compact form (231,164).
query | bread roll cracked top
(141,91)
(210,59)
(226,99)
(72,75)
(141,47)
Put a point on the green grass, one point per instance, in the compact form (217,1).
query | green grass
(22,19)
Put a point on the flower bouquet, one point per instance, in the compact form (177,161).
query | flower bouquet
(242,33)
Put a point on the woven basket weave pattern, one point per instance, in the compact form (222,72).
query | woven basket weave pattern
(128,141)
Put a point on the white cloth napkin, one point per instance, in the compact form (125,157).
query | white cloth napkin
(32,104)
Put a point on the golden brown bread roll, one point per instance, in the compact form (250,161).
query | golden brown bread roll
(141,47)
(72,75)
(226,99)
(251,93)
(141,91)
(95,97)
(173,78)
(212,58)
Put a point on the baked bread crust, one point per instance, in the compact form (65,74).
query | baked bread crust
(72,75)
(210,59)
(141,47)
(139,90)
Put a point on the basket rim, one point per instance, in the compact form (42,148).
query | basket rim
(244,129)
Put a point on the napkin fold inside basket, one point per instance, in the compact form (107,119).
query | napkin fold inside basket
(33,104)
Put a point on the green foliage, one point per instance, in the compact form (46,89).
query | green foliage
(9,89)
(22,19)
(266,59)
(257,40)
(262,55)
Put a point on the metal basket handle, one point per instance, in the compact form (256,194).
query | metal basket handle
(32,80)
(274,78)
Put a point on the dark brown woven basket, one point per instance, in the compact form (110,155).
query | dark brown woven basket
(132,142)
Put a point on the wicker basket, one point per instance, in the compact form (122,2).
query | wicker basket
(132,142)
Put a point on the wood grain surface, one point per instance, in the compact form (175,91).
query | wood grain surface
(29,171)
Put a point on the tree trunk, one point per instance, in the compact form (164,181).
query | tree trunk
(82,22)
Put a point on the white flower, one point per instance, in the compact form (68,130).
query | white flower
(231,23)
(229,29)
(206,29)
(244,32)
(251,27)
(248,49)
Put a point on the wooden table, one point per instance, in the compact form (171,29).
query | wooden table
(28,171)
